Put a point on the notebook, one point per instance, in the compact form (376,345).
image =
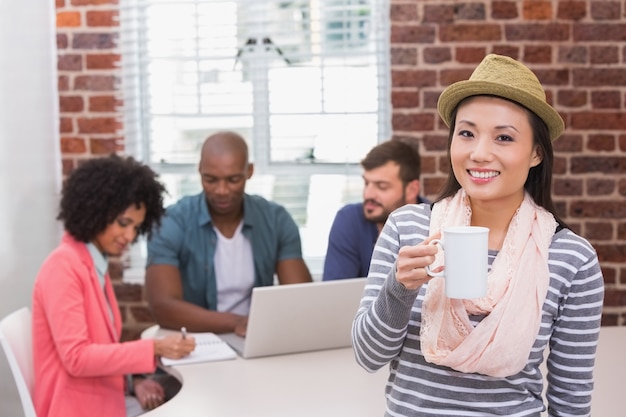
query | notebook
(209,347)
(299,318)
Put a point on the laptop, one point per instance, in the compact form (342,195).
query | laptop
(299,318)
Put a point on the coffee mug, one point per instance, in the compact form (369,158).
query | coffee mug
(465,261)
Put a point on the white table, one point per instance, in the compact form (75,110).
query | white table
(330,383)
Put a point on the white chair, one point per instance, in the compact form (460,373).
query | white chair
(16,340)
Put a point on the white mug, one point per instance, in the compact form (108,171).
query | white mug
(465,261)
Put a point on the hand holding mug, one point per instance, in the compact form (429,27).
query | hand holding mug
(412,261)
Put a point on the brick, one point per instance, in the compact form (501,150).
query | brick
(470,11)
(537,10)
(100,18)
(437,55)
(605,100)
(571,10)
(568,143)
(598,231)
(439,13)
(430,100)
(62,41)
(104,146)
(403,56)
(142,314)
(547,32)
(93,2)
(59,3)
(573,54)
(68,19)
(538,54)
(462,32)
(504,10)
(435,143)
(508,50)
(97,125)
(412,122)
(70,104)
(104,104)
(605,32)
(600,186)
(73,145)
(614,297)
(622,143)
(67,166)
(596,120)
(552,77)
(594,77)
(412,34)
(469,55)
(571,98)
(63,82)
(70,62)
(599,210)
(621,234)
(405,99)
(450,76)
(601,142)
(413,78)
(559,166)
(95,83)
(605,10)
(605,54)
(66,125)
(603,164)
(611,253)
(609,319)
(404,12)
(428,164)
(622,187)
(94,41)
(102,61)
(609,274)
(568,187)
(432,186)
(128,292)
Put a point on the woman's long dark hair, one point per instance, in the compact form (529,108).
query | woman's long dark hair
(539,181)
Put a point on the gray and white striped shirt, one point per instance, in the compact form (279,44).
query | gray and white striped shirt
(387,326)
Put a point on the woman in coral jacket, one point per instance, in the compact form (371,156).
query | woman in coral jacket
(80,365)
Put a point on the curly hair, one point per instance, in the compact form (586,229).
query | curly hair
(101,189)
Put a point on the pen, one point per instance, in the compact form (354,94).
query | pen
(183,330)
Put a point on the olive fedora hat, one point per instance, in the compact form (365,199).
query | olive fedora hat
(504,77)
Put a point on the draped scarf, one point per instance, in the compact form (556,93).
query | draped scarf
(517,286)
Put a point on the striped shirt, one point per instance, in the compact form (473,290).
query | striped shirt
(387,326)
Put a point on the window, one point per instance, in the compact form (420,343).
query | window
(306,82)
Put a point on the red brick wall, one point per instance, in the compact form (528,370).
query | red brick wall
(577,49)
(87,34)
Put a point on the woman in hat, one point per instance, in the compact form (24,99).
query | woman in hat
(79,362)
(545,288)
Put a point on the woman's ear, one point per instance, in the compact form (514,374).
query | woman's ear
(537,157)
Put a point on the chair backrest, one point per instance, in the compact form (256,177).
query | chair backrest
(16,340)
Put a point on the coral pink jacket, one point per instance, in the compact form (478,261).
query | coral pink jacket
(79,362)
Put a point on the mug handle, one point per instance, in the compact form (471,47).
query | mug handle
(427,267)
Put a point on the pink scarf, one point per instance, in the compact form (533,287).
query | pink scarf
(517,285)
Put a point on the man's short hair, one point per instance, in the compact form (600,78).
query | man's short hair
(394,150)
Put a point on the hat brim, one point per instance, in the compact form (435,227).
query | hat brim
(455,93)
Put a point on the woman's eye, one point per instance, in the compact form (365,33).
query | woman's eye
(465,133)
(505,138)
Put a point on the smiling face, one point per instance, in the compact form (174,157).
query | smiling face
(492,150)
(121,232)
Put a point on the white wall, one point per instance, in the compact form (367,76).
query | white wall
(30,161)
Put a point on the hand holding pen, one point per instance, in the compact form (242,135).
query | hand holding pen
(175,346)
